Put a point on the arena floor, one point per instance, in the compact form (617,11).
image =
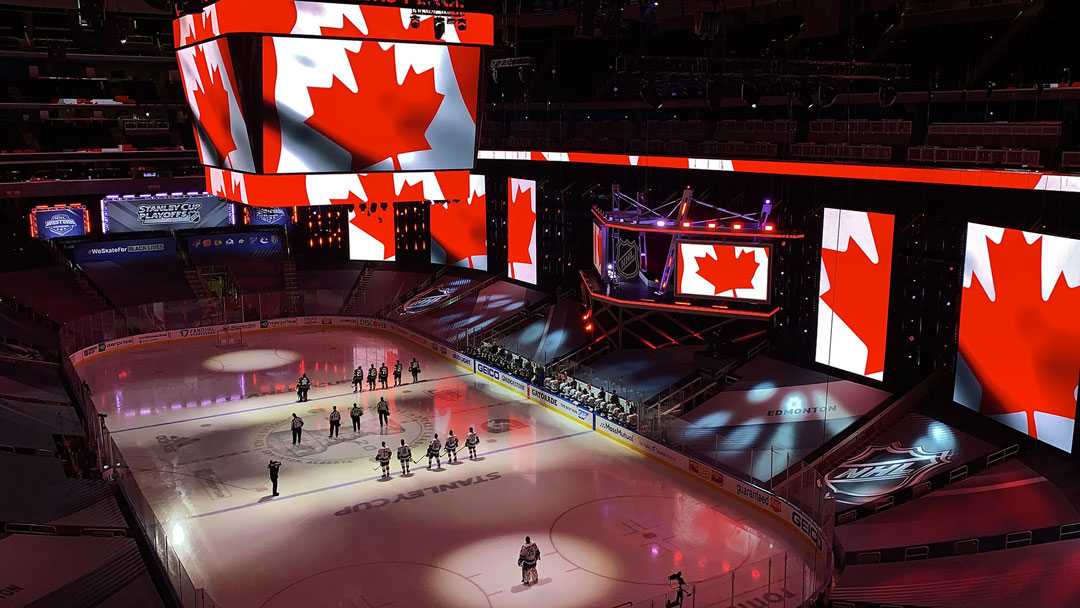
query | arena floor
(198,422)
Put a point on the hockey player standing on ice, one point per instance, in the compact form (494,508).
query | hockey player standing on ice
(433,450)
(355,414)
(397,372)
(384,375)
(297,426)
(471,440)
(451,448)
(274,467)
(371,373)
(335,422)
(527,559)
(303,385)
(383,456)
(404,456)
(414,369)
(384,412)
(682,590)
(358,379)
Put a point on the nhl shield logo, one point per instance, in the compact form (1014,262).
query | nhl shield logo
(880,470)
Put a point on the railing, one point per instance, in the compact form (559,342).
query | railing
(113,468)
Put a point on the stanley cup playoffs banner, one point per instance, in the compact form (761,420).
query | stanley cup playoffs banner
(165,212)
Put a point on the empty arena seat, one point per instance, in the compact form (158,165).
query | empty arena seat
(1040,135)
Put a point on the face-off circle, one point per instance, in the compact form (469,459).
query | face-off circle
(643,539)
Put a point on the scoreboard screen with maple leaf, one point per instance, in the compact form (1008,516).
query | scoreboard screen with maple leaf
(737,271)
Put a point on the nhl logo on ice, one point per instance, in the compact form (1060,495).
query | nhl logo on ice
(880,470)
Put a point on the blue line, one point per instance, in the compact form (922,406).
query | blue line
(267,407)
(373,477)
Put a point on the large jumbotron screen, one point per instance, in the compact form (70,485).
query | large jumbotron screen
(365,105)
(459,229)
(853,292)
(521,229)
(1018,359)
(723,270)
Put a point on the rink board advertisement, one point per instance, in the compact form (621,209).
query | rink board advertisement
(763,499)
(164,212)
(503,378)
(579,414)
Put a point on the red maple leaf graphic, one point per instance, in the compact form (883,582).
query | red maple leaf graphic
(202,25)
(859,289)
(730,270)
(370,217)
(1023,351)
(234,188)
(212,99)
(461,229)
(381,119)
(521,223)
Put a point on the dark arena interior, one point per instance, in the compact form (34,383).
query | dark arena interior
(539,303)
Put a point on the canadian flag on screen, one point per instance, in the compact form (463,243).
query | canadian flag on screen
(210,85)
(723,270)
(521,229)
(459,229)
(351,105)
(371,219)
(853,291)
(1019,350)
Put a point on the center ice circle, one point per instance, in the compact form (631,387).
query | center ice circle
(643,539)
(252,360)
(379,584)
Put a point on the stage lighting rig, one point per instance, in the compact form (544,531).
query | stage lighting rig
(443,12)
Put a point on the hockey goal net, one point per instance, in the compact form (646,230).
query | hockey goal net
(229,337)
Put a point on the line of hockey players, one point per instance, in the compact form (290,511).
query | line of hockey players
(382,375)
(434,452)
(382,408)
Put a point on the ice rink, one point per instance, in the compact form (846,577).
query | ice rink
(198,422)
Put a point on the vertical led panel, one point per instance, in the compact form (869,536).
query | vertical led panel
(521,230)
(853,291)
(459,229)
(1018,359)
